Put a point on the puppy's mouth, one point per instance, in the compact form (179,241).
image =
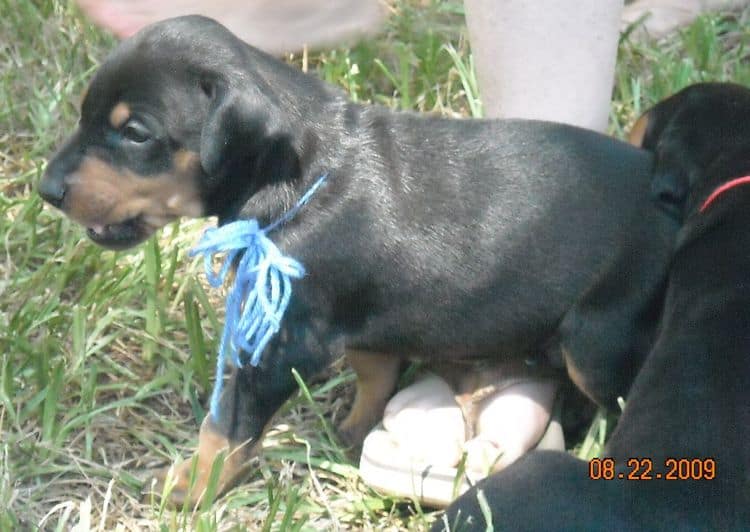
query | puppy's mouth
(120,235)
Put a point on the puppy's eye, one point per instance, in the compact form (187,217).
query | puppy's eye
(135,132)
(208,88)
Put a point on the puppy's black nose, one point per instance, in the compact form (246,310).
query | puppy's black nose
(52,188)
(63,164)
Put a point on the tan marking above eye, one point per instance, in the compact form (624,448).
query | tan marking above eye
(119,115)
(639,131)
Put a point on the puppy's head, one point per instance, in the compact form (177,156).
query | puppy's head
(700,137)
(183,119)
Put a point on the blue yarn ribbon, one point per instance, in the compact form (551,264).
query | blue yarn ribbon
(262,287)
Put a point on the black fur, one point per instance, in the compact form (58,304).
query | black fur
(433,237)
(690,400)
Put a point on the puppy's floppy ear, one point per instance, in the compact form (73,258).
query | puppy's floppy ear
(246,136)
(669,186)
(650,127)
(233,128)
(670,183)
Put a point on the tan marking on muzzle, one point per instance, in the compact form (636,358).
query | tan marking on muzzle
(119,115)
(99,194)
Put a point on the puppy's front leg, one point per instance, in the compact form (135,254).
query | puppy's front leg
(251,397)
(216,436)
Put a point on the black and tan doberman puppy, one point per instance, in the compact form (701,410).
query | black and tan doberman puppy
(679,458)
(432,237)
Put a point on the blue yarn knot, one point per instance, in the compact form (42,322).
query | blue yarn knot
(262,287)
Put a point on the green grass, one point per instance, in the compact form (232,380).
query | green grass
(106,358)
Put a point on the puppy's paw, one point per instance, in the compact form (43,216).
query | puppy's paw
(353,434)
(216,466)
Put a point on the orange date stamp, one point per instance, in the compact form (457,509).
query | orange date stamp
(645,469)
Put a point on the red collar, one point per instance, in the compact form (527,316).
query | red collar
(723,188)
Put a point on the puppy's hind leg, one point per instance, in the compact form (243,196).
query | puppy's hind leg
(377,375)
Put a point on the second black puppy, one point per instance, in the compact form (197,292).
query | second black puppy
(431,238)
(679,459)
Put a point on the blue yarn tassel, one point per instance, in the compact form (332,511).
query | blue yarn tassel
(261,291)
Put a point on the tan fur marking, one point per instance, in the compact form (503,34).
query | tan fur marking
(119,115)
(638,131)
(210,444)
(83,97)
(376,380)
(99,194)
(573,371)
(186,161)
